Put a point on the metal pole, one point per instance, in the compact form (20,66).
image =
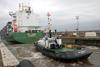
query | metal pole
(77,29)
(49,25)
(49,21)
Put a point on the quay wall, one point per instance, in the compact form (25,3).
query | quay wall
(82,41)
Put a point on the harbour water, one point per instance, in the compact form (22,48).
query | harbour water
(29,52)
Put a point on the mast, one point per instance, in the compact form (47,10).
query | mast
(49,24)
(49,21)
(77,29)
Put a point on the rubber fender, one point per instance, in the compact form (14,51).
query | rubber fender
(25,63)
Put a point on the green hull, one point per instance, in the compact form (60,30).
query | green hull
(25,38)
(64,54)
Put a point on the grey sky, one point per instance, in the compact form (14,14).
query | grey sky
(63,12)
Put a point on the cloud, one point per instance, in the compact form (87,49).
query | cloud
(63,12)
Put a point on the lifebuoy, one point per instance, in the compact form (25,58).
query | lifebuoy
(14,27)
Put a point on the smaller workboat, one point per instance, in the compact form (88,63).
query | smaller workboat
(52,47)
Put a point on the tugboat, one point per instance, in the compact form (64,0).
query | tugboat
(24,27)
(52,46)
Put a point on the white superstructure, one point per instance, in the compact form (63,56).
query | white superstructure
(25,18)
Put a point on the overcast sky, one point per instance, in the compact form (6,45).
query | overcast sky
(63,12)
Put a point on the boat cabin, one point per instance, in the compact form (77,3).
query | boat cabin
(50,42)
